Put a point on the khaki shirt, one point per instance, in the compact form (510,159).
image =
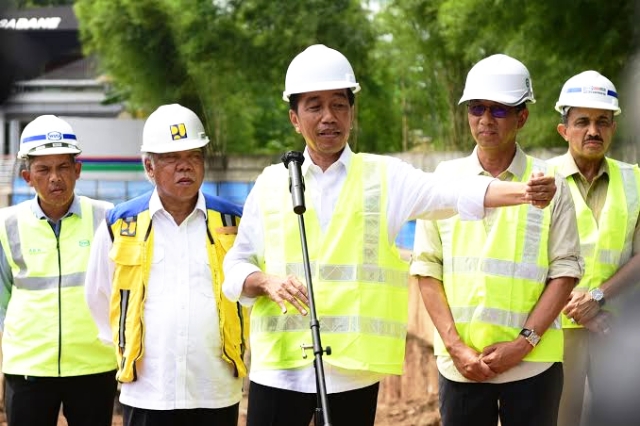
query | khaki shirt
(594,193)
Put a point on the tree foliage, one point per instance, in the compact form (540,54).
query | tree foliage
(555,40)
(227,59)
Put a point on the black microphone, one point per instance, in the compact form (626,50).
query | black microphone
(293,160)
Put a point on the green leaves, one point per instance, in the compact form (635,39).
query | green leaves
(227,59)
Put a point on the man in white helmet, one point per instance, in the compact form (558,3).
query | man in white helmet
(52,355)
(494,288)
(356,205)
(606,193)
(154,286)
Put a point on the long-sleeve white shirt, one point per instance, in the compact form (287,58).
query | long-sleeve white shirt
(412,194)
(181,367)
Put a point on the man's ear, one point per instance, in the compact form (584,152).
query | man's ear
(562,130)
(26,176)
(293,117)
(522,118)
(148,167)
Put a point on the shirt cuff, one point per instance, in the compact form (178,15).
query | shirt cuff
(426,269)
(567,267)
(471,200)
(234,283)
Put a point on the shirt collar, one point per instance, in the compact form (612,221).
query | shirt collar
(517,167)
(74,208)
(568,167)
(345,159)
(155,205)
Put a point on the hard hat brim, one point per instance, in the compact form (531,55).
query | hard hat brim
(504,100)
(326,85)
(591,105)
(49,151)
(174,146)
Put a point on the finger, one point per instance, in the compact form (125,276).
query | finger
(293,300)
(298,289)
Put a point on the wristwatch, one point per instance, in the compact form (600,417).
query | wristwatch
(598,295)
(532,337)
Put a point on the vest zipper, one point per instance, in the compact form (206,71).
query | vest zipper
(59,302)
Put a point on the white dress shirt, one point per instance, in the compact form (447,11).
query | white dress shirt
(181,367)
(412,194)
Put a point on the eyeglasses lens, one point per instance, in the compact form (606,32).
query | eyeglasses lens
(496,111)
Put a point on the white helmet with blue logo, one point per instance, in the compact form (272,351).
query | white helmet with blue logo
(172,128)
(589,89)
(48,135)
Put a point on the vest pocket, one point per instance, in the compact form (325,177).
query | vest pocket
(127,255)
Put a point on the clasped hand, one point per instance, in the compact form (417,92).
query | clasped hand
(493,360)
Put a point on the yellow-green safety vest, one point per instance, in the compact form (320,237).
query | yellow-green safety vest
(607,244)
(132,252)
(48,330)
(494,277)
(358,277)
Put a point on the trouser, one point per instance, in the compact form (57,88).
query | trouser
(278,407)
(576,366)
(529,402)
(614,379)
(35,401)
(226,416)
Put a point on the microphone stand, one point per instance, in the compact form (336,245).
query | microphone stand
(293,160)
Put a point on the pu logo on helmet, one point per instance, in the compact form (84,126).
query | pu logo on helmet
(178,131)
(54,136)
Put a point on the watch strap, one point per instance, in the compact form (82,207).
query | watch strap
(531,336)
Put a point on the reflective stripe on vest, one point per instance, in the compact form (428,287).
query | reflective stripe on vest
(47,300)
(359,280)
(494,277)
(606,245)
(348,273)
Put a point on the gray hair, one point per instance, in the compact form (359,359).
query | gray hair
(148,156)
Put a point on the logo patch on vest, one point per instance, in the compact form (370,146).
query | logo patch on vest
(83,243)
(129,226)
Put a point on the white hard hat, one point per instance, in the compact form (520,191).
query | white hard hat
(319,67)
(499,78)
(48,135)
(172,128)
(589,89)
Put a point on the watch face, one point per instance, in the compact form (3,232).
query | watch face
(596,294)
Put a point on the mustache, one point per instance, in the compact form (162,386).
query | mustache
(593,138)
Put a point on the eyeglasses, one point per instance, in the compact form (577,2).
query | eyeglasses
(496,111)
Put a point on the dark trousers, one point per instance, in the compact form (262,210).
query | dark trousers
(35,401)
(530,402)
(227,416)
(278,407)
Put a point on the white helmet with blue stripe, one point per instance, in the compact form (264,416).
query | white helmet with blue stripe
(589,89)
(48,135)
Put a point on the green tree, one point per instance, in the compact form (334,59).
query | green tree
(227,60)
(555,40)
